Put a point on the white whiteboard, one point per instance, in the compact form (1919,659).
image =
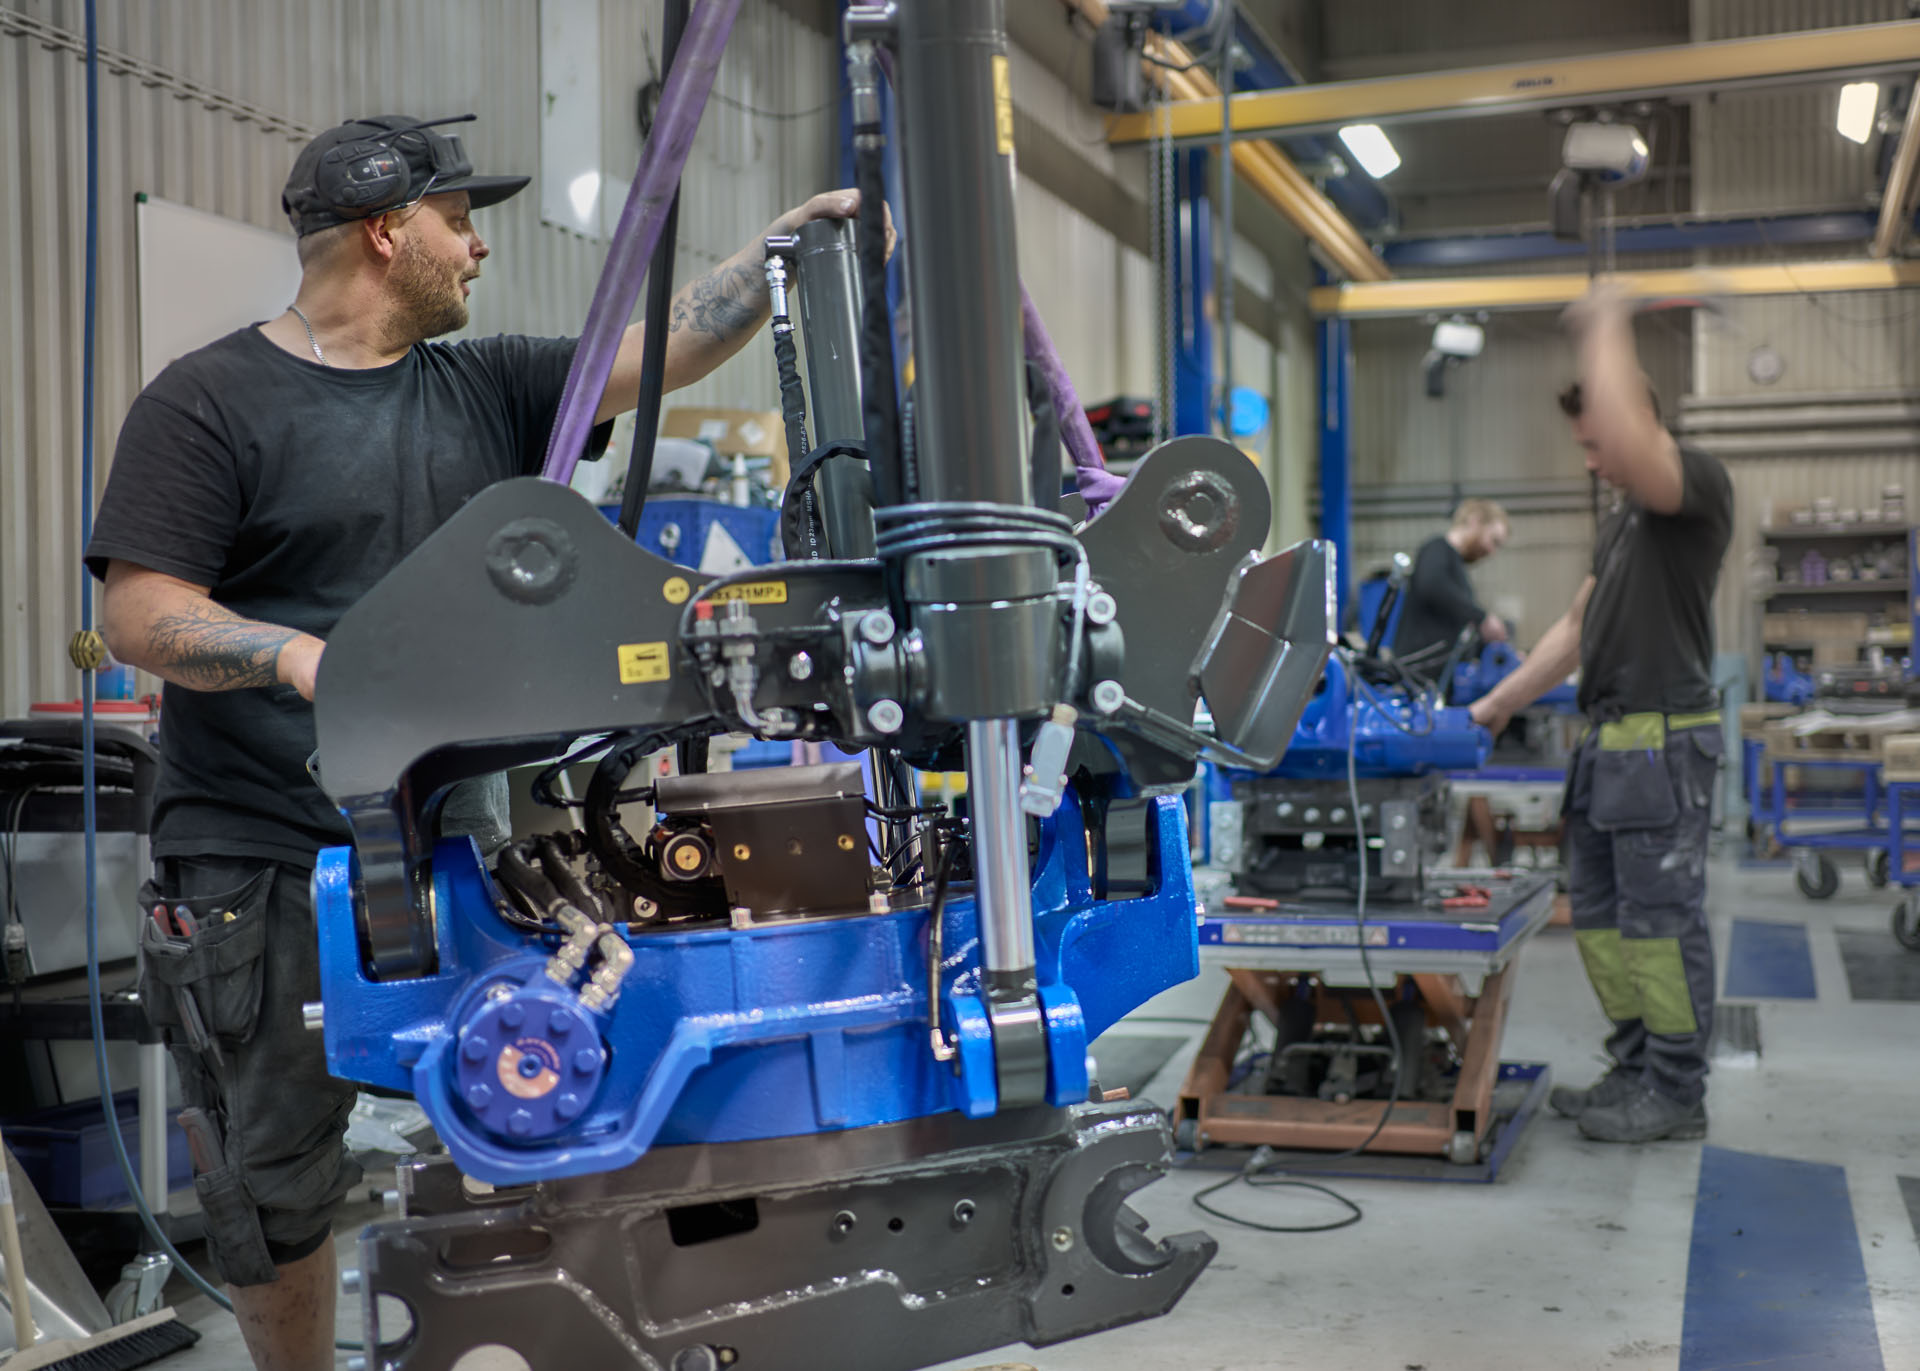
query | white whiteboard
(202,276)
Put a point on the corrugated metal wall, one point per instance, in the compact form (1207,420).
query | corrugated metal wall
(1767,150)
(304,64)
(1495,433)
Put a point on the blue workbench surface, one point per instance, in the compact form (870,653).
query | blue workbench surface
(1514,910)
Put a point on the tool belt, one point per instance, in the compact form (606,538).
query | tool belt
(202,977)
(1644,732)
(1631,779)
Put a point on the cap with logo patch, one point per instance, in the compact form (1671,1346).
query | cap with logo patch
(368,166)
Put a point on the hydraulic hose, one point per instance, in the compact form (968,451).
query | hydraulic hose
(653,356)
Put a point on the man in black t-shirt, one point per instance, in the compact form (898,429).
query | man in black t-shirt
(1639,798)
(261,485)
(1439,600)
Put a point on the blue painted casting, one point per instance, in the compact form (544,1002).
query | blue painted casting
(1497,661)
(730,1034)
(1391,734)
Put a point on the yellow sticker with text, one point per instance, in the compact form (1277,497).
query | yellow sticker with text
(753,592)
(676,590)
(1002,103)
(644,662)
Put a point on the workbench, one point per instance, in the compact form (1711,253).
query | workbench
(1449,969)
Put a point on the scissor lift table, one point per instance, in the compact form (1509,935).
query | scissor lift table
(1457,962)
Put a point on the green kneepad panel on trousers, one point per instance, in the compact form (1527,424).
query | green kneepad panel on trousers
(1660,977)
(1607,969)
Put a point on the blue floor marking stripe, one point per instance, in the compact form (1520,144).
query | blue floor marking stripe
(1769,961)
(1774,1276)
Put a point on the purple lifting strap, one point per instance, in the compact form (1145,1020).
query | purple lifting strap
(661,162)
(1097,485)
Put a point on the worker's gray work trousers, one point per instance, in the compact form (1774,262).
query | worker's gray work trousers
(1638,812)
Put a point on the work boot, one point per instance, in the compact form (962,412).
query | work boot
(1570,1101)
(1645,1115)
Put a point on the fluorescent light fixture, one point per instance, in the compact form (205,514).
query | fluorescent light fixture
(1858,102)
(1370,148)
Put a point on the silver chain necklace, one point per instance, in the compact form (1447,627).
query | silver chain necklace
(312,341)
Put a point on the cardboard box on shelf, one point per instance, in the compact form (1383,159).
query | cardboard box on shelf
(1834,638)
(748,432)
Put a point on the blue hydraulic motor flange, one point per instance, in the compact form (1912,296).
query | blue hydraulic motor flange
(530,1061)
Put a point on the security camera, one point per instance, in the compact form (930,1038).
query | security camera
(1611,154)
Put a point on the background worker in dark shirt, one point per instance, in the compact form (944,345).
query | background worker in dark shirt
(260,486)
(1640,787)
(1439,601)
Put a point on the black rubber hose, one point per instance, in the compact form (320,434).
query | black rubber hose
(521,877)
(653,356)
(553,862)
(793,412)
(878,400)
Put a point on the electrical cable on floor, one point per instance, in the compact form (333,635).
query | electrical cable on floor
(89,809)
(1262,1171)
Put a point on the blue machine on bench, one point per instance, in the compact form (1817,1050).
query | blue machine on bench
(1291,829)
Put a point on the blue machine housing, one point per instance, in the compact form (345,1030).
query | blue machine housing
(1390,733)
(724,1035)
(1497,661)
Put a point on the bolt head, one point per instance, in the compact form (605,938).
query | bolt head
(885,716)
(877,627)
(559,1023)
(1101,608)
(800,666)
(1062,1239)
(844,1221)
(513,1015)
(475,1048)
(1108,696)
(586,1061)
(741,852)
(479,1096)
(844,842)
(350,1280)
(963,1212)
(568,1105)
(520,1123)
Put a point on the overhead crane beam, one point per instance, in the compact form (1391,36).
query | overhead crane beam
(1851,50)
(1264,167)
(1402,298)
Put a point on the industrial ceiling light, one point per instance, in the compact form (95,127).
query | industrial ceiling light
(1858,102)
(1370,148)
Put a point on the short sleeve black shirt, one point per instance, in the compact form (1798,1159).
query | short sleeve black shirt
(1646,642)
(1440,600)
(289,489)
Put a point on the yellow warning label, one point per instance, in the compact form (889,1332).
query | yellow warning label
(643,662)
(676,590)
(754,592)
(1002,103)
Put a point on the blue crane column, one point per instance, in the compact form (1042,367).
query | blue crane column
(1191,265)
(1334,351)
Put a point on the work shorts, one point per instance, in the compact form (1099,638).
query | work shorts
(248,967)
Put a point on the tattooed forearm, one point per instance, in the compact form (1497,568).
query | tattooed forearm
(208,647)
(724,304)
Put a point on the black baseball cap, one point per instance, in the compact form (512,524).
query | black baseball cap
(369,166)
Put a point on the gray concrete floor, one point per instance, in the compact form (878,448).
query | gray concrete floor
(1576,1258)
